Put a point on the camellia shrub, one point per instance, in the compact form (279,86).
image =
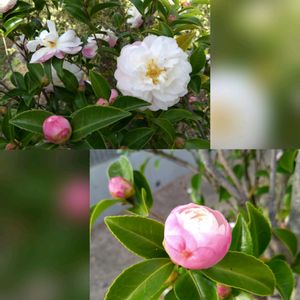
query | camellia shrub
(198,252)
(111,74)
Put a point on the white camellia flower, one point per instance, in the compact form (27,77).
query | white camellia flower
(136,19)
(53,45)
(6,5)
(155,70)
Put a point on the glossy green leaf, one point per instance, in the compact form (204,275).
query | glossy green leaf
(92,118)
(12,24)
(121,168)
(185,40)
(244,272)
(288,238)
(141,281)
(287,161)
(139,235)
(171,295)
(138,138)
(260,230)
(167,129)
(31,120)
(193,285)
(99,208)
(100,85)
(130,103)
(197,144)
(284,277)
(296,264)
(198,60)
(100,6)
(176,115)
(241,237)
(7,128)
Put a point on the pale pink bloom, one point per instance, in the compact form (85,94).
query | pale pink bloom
(120,188)
(102,102)
(193,99)
(113,96)
(136,19)
(74,199)
(57,129)
(156,70)
(223,291)
(6,5)
(196,237)
(53,45)
(90,50)
(108,36)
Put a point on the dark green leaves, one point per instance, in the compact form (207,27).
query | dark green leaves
(193,285)
(284,277)
(140,235)
(260,230)
(121,168)
(141,281)
(288,238)
(138,138)
(244,272)
(100,86)
(31,120)
(130,103)
(93,118)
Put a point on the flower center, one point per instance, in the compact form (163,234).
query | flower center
(51,44)
(153,71)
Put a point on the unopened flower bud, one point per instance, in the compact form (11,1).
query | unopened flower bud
(120,188)
(196,237)
(90,50)
(3,110)
(10,147)
(172,18)
(57,129)
(6,5)
(179,143)
(102,102)
(113,96)
(223,291)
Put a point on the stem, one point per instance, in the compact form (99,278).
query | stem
(272,192)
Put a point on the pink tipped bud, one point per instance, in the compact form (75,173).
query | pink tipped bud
(10,147)
(193,99)
(185,3)
(114,95)
(223,291)
(172,18)
(102,102)
(6,5)
(121,188)
(196,237)
(57,129)
(90,50)
(179,143)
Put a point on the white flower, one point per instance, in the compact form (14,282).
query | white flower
(53,45)
(90,49)
(136,19)
(109,36)
(155,70)
(6,5)
(75,70)
(240,114)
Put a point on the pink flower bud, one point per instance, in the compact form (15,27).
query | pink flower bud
(179,143)
(57,129)
(90,50)
(193,99)
(196,237)
(6,5)
(119,187)
(172,18)
(114,95)
(102,102)
(223,291)
(10,147)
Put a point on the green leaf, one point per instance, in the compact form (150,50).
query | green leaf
(12,24)
(129,103)
(197,144)
(244,272)
(178,114)
(31,120)
(288,238)
(138,138)
(140,281)
(8,129)
(260,230)
(99,208)
(139,5)
(185,40)
(284,277)
(287,161)
(92,118)
(139,235)
(196,183)
(168,131)
(121,168)
(100,6)
(296,264)
(171,295)
(193,285)
(100,86)
(241,237)
(198,60)
(76,9)
(141,208)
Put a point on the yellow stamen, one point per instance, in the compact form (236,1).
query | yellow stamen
(153,71)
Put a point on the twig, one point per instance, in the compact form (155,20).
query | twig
(272,191)
(216,174)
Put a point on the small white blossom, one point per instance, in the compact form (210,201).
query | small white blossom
(53,45)
(155,70)
(136,19)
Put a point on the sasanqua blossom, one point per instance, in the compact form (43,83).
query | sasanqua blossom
(155,70)
(6,5)
(51,44)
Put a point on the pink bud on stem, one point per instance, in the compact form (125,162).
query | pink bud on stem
(57,129)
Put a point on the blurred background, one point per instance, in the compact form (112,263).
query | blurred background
(44,239)
(255,74)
